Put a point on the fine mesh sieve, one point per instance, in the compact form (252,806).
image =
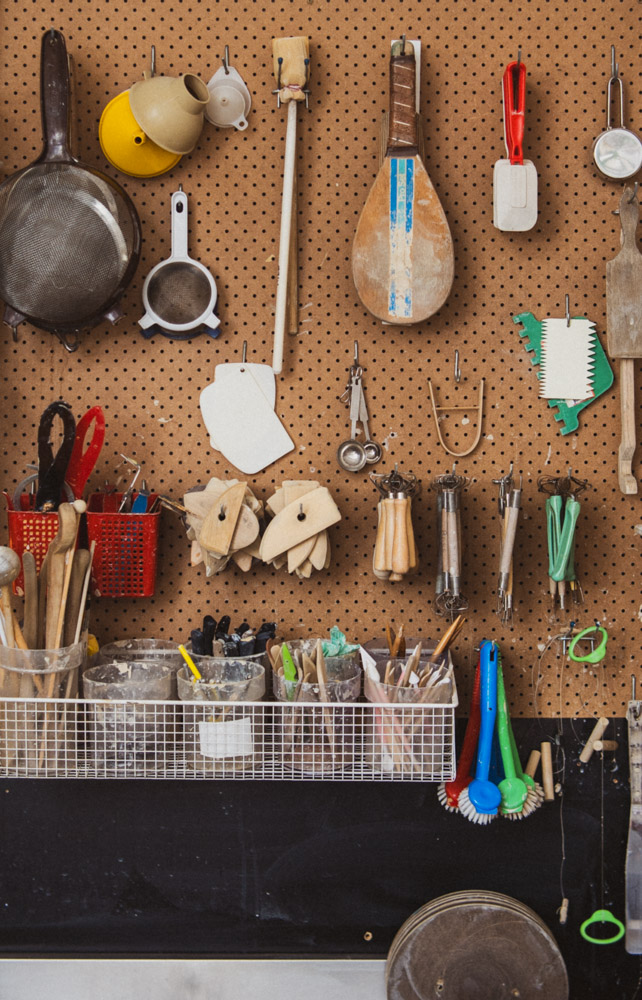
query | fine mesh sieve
(69,236)
(179,294)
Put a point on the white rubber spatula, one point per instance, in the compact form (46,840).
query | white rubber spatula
(241,420)
(514,179)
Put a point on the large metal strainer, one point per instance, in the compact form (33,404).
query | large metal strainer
(69,236)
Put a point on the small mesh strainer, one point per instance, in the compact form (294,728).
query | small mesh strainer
(179,294)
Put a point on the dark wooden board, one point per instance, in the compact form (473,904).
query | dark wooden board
(229,868)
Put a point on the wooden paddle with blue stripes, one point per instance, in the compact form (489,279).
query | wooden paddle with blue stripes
(402,256)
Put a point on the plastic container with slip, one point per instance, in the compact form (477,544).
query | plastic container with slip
(128,733)
(222,734)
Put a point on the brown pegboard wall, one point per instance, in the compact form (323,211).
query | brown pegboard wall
(150,389)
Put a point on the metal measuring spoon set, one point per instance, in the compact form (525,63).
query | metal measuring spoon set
(353,456)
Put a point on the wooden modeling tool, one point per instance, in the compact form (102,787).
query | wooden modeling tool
(624,328)
(292,73)
(402,256)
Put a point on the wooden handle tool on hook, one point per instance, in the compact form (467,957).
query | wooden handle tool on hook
(291,58)
(624,327)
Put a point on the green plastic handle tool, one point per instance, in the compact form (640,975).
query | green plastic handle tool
(553,526)
(513,789)
(567,539)
(602,917)
(526,778)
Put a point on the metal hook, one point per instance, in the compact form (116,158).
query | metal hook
(356,354)
(306,89)
(567,310)
(226,60)
(615,69)
(457,368)
(244,354)
(153,65)
(634,193)
(403,45)
(519,56)
(301,516)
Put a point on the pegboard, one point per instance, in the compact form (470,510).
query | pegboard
(150,389)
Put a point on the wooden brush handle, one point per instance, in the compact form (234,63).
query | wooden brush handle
(508,543)
(389,532)
(379,558)
(400,548)
(412,548)
(31,599)
(628,482)
(55,584)
(402,135)
(74,597)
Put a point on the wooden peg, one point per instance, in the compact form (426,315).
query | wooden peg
(547,772)
(596,734)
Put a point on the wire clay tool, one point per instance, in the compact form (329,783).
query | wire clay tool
(633,910)
(449,599)
(509,503)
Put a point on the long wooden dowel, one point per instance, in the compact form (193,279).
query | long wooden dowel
(284,242)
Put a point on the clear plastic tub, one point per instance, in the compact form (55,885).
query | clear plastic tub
(162,651)
(311,737)
(222,736)
(123,733)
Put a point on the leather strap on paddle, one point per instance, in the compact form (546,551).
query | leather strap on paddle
(402,135)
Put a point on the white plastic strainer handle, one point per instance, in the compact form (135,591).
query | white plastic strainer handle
(179,226)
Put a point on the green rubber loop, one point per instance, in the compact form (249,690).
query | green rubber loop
(602,917)
(596,654)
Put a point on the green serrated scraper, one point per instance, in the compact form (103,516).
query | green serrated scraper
(568,410)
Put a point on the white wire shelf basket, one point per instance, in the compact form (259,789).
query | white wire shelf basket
(71,738)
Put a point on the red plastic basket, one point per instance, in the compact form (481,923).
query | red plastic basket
(29,531)
(126,548)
